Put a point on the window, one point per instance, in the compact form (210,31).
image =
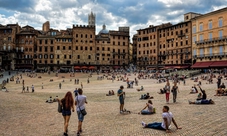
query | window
(194,29)
(194,52)
(89,56)
(210,51)
(63,47)
(51,56)
(201,37)
(186,42)
(97,48)
(210,25)
(194,39)
(40,49)
(78,56)
(90,36)
(108,49)
(103,49)
(90,48)
(70,47)
(65,57)
(58,47)
(113,42)
(201,27)
(52,42)
(118,43)
(221,50)
(220,33)
(40,41)
(46,41)
(40,56)
(81,35)
(210,36)
(58,56)
(123,43)
(46,48)
(76,47)
(76,35)
(220,22)
(201,52)
(81,48)
(70,56)
(45,56)
(85,48)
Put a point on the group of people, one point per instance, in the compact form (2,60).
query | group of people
(68,103)
(167,89)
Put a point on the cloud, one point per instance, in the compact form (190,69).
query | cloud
(136,14)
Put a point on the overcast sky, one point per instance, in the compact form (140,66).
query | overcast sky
(136,14)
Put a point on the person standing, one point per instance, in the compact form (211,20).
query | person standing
(167,90)
(80,101)
(33,89)
(121,94)
(164,125)
(59,85)
(67,104)
(219,81)
(174,90)
(81,85)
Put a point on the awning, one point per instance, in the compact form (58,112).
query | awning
(219,64)
(84,67)
(91,67)
(116,67)
(202,64)
(76,67)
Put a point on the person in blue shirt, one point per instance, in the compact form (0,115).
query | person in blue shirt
(121,94)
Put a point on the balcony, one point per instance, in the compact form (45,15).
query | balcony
(210,55)
(206,41)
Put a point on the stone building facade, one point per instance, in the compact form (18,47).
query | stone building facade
(209,40)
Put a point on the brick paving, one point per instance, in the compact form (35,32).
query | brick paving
(28,114)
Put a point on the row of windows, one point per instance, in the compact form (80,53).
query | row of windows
(82,35)
(181,44)
(210,25)
(64,40)
(147,52)
(210,36)
(209,50)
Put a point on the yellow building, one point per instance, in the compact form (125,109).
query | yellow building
(209,40)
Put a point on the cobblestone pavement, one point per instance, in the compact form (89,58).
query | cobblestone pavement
(27,114)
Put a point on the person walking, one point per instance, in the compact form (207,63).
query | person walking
(80,101)
(164,125)
(121,94)
(67,104)
(174,90)
(167,90)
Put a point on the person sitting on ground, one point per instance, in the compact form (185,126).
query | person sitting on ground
(55,99)
(150,109)
(162,91)
(204,96)
(193,90)
(219,92)
(199,97)
(49,100)
(164,125)
(146,96)
(111,92)
(202,101)
(222,86)
(141,89)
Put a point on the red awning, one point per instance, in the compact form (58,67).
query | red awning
(91,67)
(219,64)
(202,64)
(76,67)
(84,67)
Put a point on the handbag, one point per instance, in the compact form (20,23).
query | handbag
(83,112)
(59,107)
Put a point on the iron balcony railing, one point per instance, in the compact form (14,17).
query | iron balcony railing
(211,55)
(216,39)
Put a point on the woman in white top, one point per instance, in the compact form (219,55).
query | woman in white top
(150,109)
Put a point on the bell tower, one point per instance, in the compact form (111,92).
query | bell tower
(91,19)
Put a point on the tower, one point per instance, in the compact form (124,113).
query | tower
(91,19)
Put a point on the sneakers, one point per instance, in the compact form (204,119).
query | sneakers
(189,102)
(65,134)
(121,112)
(78,133)
(143,124)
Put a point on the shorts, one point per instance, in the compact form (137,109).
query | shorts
(121,101)
(66,112)
(198,102)
(80,116)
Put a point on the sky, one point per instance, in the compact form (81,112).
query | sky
(137,14)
